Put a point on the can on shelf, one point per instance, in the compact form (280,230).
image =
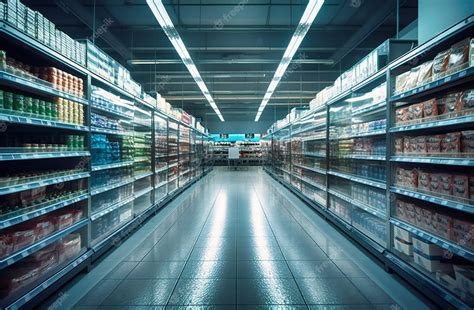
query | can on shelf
(47,108)
(28,104)
(42,107)
(70,141)
(1,99)
(54,110)
(35,106)
(18,102)
(8,100)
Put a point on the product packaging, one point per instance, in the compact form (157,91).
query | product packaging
(425,74)
(461,186)
(451,143)
(440,65)
(424,181)
(446,184)
(451,104)
(458,56)
(434,144)
(401,82)
(430,109)
(468,142)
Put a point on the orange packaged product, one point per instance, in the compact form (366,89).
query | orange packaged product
(451,143)
(429,220)
(446,184)
(435,182)
(399,145)
(467,101)
(463,233)
(407,146)
(430,109)
(444,226)
(424,181)
(451,104)
(421,145)
(468,142)
(401,116)
(400,176)
(411,178)
(411,212)
(458,56)
(434,144)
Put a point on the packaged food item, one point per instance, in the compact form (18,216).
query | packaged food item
(401,116)
(425,74)
(440,65)
(429,219)
(8,101)
(461,186)
(467,101)
(419,221)
(411,212)
(28,104)
(400,209)
(451,104)
(463,233)
(421,145)
(434,143)
(1,99)
(69,247)
(458,56)
(424,181)
(401,81)
(435,182)
(468,142)
(412,78)
(430,109)
(446,184)
(407,145)
(417,110)
(399,145)
(451,143)
(6,243)
(35,106)
(471,189)
(23,236)
(44,227)
(444,226)
(18,102)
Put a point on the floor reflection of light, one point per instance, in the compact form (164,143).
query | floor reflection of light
(219,218)
(259,227)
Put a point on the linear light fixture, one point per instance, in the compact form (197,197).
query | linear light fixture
(163,18)
(305,23)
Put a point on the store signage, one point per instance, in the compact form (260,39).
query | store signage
(249,136)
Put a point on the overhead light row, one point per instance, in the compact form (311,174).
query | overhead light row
(305,23)
(163,18)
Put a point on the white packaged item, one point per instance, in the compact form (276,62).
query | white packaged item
(431,264)
(428,248)
(403,247)
(402,234)
(464,277)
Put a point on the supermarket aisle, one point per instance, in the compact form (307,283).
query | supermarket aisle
(235,239)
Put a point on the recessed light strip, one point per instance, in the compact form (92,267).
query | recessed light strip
(163,18)
(305,23)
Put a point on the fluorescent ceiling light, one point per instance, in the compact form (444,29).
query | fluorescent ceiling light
(163,18)
(305,23)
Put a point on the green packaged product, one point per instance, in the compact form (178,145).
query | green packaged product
(47,108)
(8,100)
(70,141)
(54,110)
(42,107)
(80,144)
(28,104)
(35,106)
(1,99)
(3,59)
(18,102)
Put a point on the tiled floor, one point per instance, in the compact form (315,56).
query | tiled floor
(238,244)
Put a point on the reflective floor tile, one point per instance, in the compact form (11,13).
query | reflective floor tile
(99,292)
(326,291)
(335,252)
(214,253)
(372,291)
(210,269)
(299,253)
(165,253)
(213,307)
(205,241)
(272,291)
(349,268)
(256,241)
(141,293)
(315,269)
(256,269)
(157,270)
(259,253)
(121,271)
(204,292)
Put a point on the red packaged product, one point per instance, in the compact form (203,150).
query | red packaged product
(434,144)
(400,210)
(463,233)
(461,186)
(429,220)
(444,226)
(424,181)
(44,227)
(451,143)
(13,279)
(64,220)
(45,258)
(411,212)
(398,145)
(400,176)
(446,184)
(69,247)
(435,182)
(419,217)
(23,236)
(411,178)
(401,116)
(467,101)
(458,56)
(421,145)
(451,104)
(430,109)
(471,189)
(407,144)
(468,142)
(6,243)
(77,215)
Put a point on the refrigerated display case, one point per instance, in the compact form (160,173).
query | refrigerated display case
(161,157)
(184,152)
(172,155)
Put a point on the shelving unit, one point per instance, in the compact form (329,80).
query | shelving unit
(387,198)
(96,166)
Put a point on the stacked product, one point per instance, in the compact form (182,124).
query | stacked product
(444,64)
(39,143)
(110,176)
(452,144)
(105,100)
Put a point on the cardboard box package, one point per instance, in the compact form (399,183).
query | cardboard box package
(428,248)
(431,263)
(403,246)
(402,234)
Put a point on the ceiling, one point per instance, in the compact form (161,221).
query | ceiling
(235,44)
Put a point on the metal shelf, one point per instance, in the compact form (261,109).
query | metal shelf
(358,135)
(305,139)
(438,85)
(110,111)
(322,125)
(107,188)
(25,84)
(44,182)
(42,155)
(358,204)
(317,170)
(362,157)
(161,184)
(312,155)
(15,257)
(361,180)
(111,166)
(113,207)
(142,192)
(143,175)
(448,245)
(26,120)
(28,215)
(433,199)
(435,124)
(434,160)
(111,131)
(370,109)
(307,181)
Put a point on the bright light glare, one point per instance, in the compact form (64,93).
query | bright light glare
(164,20)
(305,23)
